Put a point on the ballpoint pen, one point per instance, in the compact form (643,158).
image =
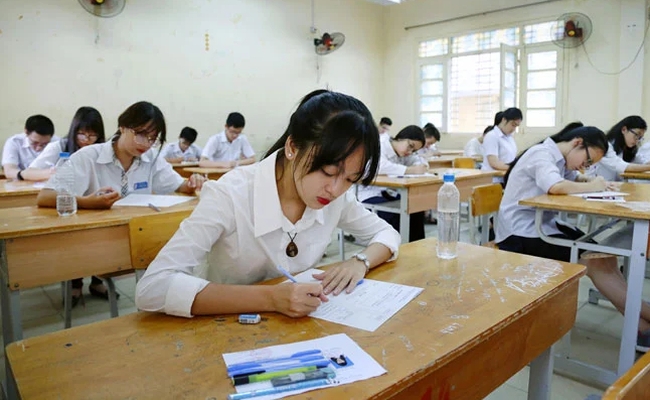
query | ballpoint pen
(154,207)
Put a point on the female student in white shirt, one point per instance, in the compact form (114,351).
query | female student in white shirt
(624,138)
(551,167)
(87,128)
(398,157)
(280,211)
(499,146)
(127,164)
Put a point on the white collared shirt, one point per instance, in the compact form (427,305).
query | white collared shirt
(219,148)
(473,148)
(541,167)
(17,151)
(239,228)
(95,166)
(173,150)
(496,143)
(389,164)
(49,156)
(610,167)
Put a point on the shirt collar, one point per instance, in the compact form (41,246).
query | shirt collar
(555,151)
(107,154)
(267,211)
(222,137)
(25,141)
(499,131)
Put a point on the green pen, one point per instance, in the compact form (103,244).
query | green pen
(266,376)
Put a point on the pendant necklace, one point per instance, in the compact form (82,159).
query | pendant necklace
(292,248)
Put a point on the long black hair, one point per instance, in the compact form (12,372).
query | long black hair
(87,119)
(143,116)
(590,135)
(615,136)
(412,132)
(329,127)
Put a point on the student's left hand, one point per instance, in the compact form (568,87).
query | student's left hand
(196,182)
(614,186)
(345,274)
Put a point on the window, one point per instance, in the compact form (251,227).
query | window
(464,80)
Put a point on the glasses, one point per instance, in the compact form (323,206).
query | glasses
(85,137)
(588,162)
(144,139)
(639,137)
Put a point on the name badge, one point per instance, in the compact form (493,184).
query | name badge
(140,185)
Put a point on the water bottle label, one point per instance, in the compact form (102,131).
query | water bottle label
(140,185)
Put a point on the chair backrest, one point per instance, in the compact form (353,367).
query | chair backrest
(485,199)
(464,162)
(634,384)
(148,234)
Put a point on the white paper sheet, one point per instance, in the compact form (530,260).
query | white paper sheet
(605,194)
(360,367)
(370,304)
(414,175)
(143,200)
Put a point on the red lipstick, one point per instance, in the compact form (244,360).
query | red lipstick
(323,201)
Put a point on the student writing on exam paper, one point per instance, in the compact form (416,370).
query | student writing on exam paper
(229,148)
(499,146)
(624,140)
(398,157)
(431,140)
(126,164)
(22,148)
(86,128)
(280,211)
(184,149)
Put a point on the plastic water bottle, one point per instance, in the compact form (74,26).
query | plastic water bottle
(66,202)
(448,217)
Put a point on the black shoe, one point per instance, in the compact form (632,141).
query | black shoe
(101,295)
(349,238)
(75,300)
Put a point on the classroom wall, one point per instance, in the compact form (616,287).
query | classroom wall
(589,96)
(197,60)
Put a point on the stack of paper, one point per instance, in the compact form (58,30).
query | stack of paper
(147,200)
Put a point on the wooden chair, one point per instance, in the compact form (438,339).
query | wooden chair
(484,202)
(634,384)
(464,162)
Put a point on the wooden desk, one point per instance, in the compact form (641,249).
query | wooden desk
(454,153)
(441,162)
(479,320)
(180,167)
(209,173)
(421,194)
(636,254)
(644,176)
(17,193)
(634,385)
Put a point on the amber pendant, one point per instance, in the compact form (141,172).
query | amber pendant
(292,249)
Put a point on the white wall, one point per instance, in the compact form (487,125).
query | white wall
(588,96)
(56,57)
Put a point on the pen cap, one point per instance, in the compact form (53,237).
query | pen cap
(449,177)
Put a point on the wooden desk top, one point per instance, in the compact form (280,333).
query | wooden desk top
(202,170)
(455,153)
(637,192)
(634,384)
(185,164)
(466,303)
(636,175)
(461,175)
(17,188)
(30,221)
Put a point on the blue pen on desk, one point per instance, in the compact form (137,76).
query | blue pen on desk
(315,361)
(307,355)
(280,389)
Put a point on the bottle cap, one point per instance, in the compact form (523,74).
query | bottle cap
(64,154)
(449,177)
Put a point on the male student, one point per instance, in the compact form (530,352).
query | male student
(22,148)
(228,148)
(184,149)
(384,125)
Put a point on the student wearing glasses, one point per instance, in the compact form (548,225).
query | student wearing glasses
(87,128)
(126,164)
(280,211)
(398,158)
(624,138)
(21,149)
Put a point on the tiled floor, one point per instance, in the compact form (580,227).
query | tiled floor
(595,338)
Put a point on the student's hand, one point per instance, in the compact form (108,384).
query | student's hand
(346,274)
(191,159)
(297,299)
(598,184)
(174,160)
(614,186)
(417,169)
(196,182)
(101,199)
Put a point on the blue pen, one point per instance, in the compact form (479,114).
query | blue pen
(299,354)
(270,364)
(319,363)
(287,274)
(280,389)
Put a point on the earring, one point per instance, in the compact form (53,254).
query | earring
(289,155)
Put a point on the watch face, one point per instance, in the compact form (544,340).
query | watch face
(361,257)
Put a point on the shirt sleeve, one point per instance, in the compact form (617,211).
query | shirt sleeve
(366,226)
(613,161)
(166,151)
(491,145)
(10,152)
(48,157)
(170,283)
(388,167)
(210,148)
(543,169)
(165,180)
(247,149)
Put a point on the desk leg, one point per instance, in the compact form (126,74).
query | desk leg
(634,293)
(11,322)
(541,372)
(404,217)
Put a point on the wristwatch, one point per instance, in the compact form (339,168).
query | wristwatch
(19,175)
(364,259)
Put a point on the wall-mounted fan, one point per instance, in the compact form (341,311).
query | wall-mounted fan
(571,30)
(329,42)
(103,8)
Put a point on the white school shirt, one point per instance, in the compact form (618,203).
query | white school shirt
(49,156)
(173,150)
(219,148)
(643,154)
(238,227)
(473,148)
(610,167)
(541,167)
(496,143)
(95,166)
(389,164)
(17,150)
